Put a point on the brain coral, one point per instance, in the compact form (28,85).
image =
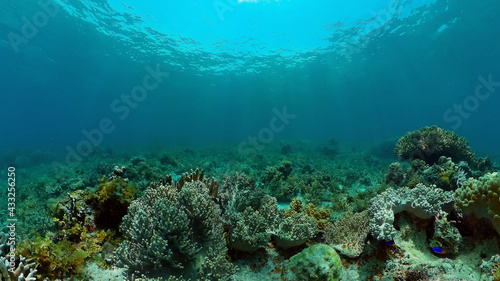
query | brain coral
(430,143)
(481,198)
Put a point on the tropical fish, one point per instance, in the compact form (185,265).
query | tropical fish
(390,243)
(439,250)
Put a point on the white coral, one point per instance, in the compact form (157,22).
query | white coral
(18,273)
(422,201)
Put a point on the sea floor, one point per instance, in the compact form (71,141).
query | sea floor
(340,178)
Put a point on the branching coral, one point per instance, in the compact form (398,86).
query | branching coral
(348,234)
(18,273)
(158,228)
(239,192)
(295,230)
(252,229)
(173,226)
(430,143)
(279,181)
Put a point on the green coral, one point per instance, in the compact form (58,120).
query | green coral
(279,181)
(115,189)
(175,227)
(430,143)
(480,197)
(56,259)
(446,236)
(295,230)
(318,262)
(252,229)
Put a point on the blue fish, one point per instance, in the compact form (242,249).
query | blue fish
(438,250)
(389,243)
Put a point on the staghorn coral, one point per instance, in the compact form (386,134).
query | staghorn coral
(480,197)
(348,234)
(422,201)
(17,274)
(430,143)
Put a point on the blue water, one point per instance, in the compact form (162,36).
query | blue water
(361,71)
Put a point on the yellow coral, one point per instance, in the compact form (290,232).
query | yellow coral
(116,189)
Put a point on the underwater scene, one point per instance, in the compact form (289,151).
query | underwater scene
(250,140)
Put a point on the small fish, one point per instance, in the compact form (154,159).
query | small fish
(390,243)
(439,250)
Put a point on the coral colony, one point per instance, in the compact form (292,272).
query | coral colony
(301,211)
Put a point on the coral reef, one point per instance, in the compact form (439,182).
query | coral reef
(445,174)
(253,217)
(172,226)
(318,262)
(394,174)
(480,197)
(276,180)
(23,272)
(430,143)
(446,236)
(86,221)
(252,229)
(185,226)
(319,214)
(238,192)
(58,260)
(348,234)
(295,230)
(422,201)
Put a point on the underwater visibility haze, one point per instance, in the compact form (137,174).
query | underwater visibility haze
(250,140)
